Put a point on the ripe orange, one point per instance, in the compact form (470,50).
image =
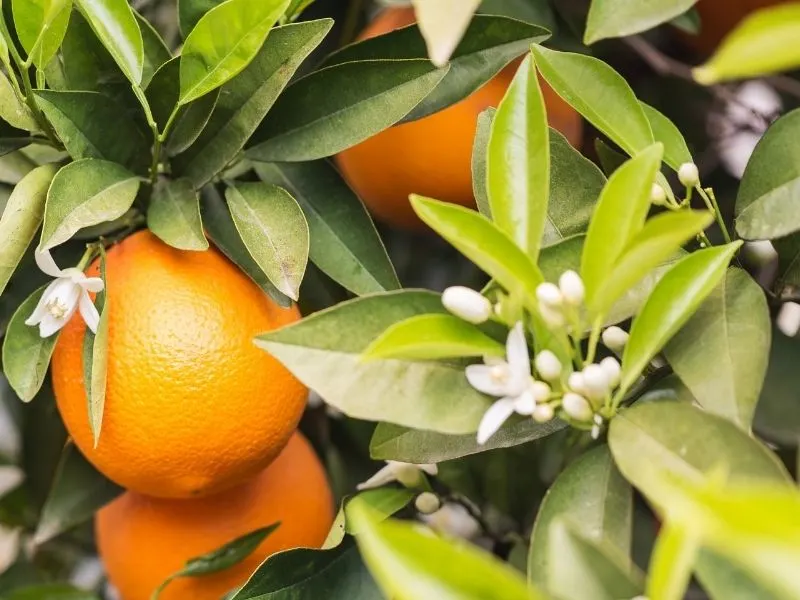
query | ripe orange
(719,17)
(431,156)
(192,405)
(142,540)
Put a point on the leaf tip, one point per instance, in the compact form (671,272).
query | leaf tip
(705,75)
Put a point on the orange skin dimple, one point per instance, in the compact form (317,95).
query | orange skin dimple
(142,540)
(431,156)
(192,405)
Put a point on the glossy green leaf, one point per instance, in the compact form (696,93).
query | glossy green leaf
(442,24)
(673,301)
(734,326)
(78,491)
(324,352)
(764,42)
(224,42)
(620,18)
(431,337)
(564,255)
(489,44)
(174,215)
(22,217)
(156,52)
(518,162)
(619,216)
(337,107)
(413,565)
(84,193)
(593,497)
(191,11)
(274,230)
(344,243)
(599,93)
(40,26)
(244,102)
(482,242)
(478,165)
(117,29)
(12,109)
(659,239)
(83,120)
(676,152)
(26,355)
(768,204)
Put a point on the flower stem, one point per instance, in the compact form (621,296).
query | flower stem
(594,339)
(711,201)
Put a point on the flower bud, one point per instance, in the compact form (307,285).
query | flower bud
(549,295)
(612,369)
(576,384)
(657,195)
(789,319)
(427,503)
(552,317)
(596,382)
(467,304)
(548,365)
(540,391)
(409,475)
(689,175)
(571,286)
(576,406)
(615,338)
(543,413)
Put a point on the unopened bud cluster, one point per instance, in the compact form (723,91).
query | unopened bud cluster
(556,302)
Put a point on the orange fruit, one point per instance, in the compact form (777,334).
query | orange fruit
(719,17)
(431,156)
(192,405)
(143,540)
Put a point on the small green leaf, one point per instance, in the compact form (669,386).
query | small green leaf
(518,162)
(41,25)
(676,152)
(764,42)
(26,355)
(22,217)
(337,107)
(224,42)
(174,215)
(84,193)
(156,52)
(274,230)
(431,337)
(619,216)
(117,29)
(12,109)
(599,93)
(324,352)
(673,301)
(620,18)
(479,150)
(190,123)
(344,243)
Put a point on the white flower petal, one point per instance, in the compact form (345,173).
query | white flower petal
(494,418)
(49,325)
(382,477)
(89,311)
(41,308)
(92,284)
(429,469)
(45,262)
(484,379)
(525,403)
(517,351)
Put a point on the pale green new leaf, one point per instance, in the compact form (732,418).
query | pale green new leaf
(40,26)
(117,29)
(620,18)
(174,215)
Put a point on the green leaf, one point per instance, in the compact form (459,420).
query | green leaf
(12,109)
(274,230)
(721,579)
(673,301)
(78,491)
(671,562)
(95,362)
(676,152)
(344,243)
(245,100)
(530,11)
(619,216)
(224,42)
(190,123)
(84,193)
(49,591)
(518,162)
(324,352)
(394,442)
(223,233)
(768,203)
(40,26)
(337,107)
(479,150)
(413,565)
(788,249)
(442,24)
(26,355)
(620,18)
(383,503)
(688,22)
(431,337)
(116,28)
(489,44)
(83,120)
(22,217)
(734,326)
(191,11)
(156,52)
(763,43)
(174,215)
(599,93)
(483,243)
(659,239)
(594,498)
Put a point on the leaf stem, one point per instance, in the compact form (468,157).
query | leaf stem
(711,201)
(151,122)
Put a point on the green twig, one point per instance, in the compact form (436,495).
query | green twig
(711,202)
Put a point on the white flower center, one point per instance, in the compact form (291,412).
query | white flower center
(57,308)
(499,373)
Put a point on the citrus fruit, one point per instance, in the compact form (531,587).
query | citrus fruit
(431,156)
(719,17)
(143,540)
(192,405)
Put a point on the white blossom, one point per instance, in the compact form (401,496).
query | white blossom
(576,406)
(550,295)
(427,503)
(689,175)
(543,413)
(406,473)
(467,304)
(612,369)
(615,338)
(553,317)
(572,289)
(63,297)
(657,195)
(789,319)
(576,383)
(548,366)
(453,520)
(596,382)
